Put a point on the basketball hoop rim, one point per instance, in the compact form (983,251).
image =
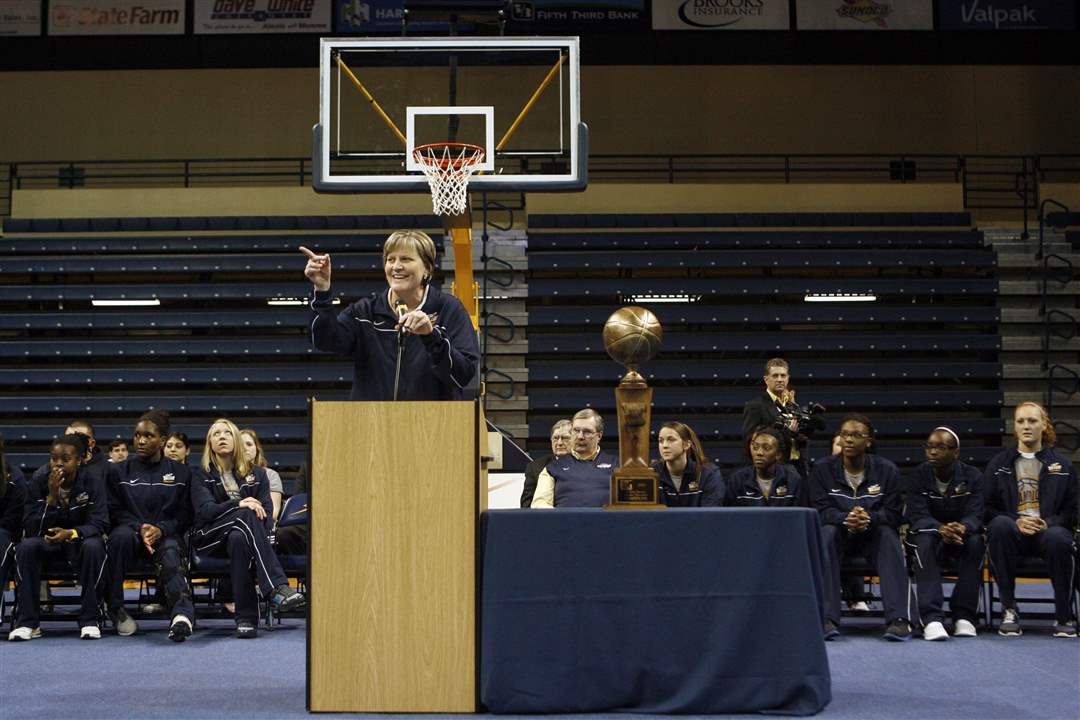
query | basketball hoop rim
(464,159)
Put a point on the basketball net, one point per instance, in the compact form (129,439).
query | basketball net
(448,167)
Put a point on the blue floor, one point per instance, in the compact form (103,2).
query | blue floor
(213,675)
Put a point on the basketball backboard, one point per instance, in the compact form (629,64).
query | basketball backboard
(516,97)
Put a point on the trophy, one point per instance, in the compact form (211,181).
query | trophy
(632,336)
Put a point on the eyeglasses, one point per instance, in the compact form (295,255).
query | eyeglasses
(560,438)
(584,432)
(938,446)
(853,435)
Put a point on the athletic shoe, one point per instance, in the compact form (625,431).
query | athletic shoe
(24,633)
(1065,629)
(153,608)
(964,628)
(180,628)
(860,606)
(1010,624)
(935,631)
(246,629)
(125,624)
(831,631)
(286,599)
(899,630)
(89,632)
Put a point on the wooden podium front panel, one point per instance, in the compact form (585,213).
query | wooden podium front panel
(392,619)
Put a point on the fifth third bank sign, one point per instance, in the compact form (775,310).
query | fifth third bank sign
(720,15)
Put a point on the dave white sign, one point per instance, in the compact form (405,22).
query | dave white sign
(721,15)
(20,17)
(215,17)
(864,14)
(116,17)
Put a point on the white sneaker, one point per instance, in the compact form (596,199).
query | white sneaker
(89,632)
(24,633)
(860,607)
(964,628)
(1010,623)
(935,631)
(125,624)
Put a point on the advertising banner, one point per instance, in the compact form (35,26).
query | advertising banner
(864,14)
(721,15)
(20,17)
(592,15)
(378,16)
(217,17)
(1006,15)
(116,17)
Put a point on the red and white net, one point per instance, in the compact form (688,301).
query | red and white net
(448,167)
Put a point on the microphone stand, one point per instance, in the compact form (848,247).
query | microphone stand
(397,367)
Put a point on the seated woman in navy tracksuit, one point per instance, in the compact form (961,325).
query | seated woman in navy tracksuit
(12,499)
(859,499)
(233,512)
(150,505)
(687,478)
(65,515)
(768,481)
(1031,498)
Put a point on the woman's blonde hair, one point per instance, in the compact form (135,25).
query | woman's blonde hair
(416,241)
(260,458)
(241,467)
(1048,436)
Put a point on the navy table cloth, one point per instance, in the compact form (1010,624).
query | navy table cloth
(697,610)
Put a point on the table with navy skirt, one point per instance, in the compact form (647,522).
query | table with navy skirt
(695,610)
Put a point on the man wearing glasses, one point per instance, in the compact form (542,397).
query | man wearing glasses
(582,478)
(945,508)
(560,447)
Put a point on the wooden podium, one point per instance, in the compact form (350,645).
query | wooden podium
(395,496)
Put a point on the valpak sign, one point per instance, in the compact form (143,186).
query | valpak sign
(721,15)
(1006,15)
(864,15)
(218,17)
(116,17)
(20,17)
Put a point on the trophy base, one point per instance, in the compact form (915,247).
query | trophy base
(634,488)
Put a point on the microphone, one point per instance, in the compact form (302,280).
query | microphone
(401,308)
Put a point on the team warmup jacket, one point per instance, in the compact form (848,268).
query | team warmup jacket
(927,508)
(12,507)
(788,488)
(87,512)
(156,494)
(879,494)
(582,483)
(211,501)
(706,491)
(437,366)
(1057,487)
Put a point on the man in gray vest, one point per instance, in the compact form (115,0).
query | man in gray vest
(582,478)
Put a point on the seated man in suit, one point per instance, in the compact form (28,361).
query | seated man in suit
(560,447)
(767,409)
(945,508)
(582,478)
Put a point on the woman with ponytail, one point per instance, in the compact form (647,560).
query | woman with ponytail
(687,478)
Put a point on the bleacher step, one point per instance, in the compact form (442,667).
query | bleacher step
(1031,288)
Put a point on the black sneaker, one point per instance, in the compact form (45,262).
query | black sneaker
(1065,629)
(1010,624)
(246,629)
(899,630)
(180,628)
(831,631)
(286,599)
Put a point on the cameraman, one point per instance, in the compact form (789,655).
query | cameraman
(776,407)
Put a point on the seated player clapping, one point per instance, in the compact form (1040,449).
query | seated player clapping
(65,515)
(945,508)
(769,481)
(859,499)
(687,478)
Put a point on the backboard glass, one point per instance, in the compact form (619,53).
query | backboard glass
(517,97)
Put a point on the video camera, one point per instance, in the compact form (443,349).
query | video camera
(806,415)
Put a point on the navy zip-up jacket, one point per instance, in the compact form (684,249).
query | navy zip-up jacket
(880,493)
(1057,487)
(438,366)
(706,491)
(927,508)
(157,494)
(788,488)
(210,499)
(12,504)
(87,512)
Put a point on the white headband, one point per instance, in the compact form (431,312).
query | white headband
(950,431)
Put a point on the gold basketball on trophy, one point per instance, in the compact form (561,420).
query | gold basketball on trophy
(632,335)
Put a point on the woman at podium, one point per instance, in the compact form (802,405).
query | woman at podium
(410,342)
